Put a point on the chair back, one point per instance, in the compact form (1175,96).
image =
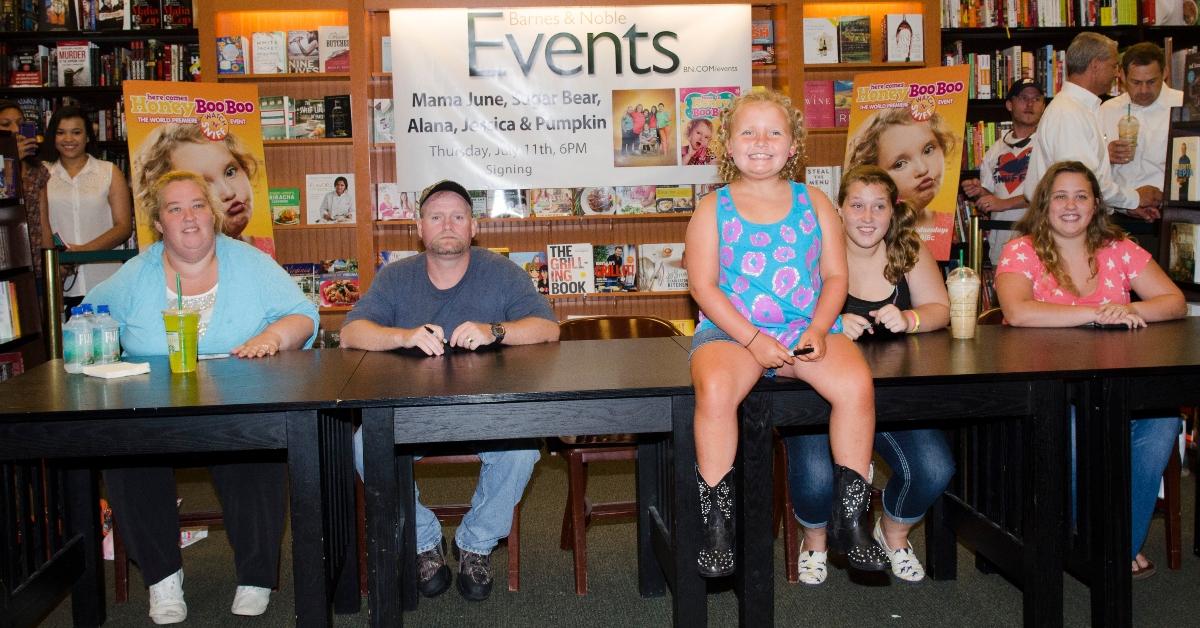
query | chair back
(616,327)
(990,316)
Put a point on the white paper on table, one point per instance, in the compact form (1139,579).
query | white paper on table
(117,369)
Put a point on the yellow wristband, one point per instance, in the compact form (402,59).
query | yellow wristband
(916,322)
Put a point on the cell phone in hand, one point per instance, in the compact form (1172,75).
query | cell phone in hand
(803,350)
(28,129)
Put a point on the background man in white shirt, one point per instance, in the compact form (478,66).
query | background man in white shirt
(1070,127)
(1150,101)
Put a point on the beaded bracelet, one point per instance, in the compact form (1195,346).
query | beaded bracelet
(916,322)
(756,333)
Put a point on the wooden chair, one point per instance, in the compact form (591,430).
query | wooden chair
(579,451)
(990,316)
(1168,506)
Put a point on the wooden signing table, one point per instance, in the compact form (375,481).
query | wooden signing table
(1002,373)
(579,387)
(642,386)
(280,403)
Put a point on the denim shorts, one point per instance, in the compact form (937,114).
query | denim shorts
(716,334)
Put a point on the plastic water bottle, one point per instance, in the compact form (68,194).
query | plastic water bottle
(106,337)
(77,342)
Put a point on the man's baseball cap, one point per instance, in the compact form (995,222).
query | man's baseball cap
(445,185)
(1021,85)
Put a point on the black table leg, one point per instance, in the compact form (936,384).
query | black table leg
(1044,531)
(340,475)
(309,573)
(755,576)
(941,543)
(649,482)
(1111,583)
(384,518)
(408,555)
(87,595)
(689,607)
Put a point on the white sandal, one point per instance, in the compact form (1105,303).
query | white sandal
(905,565)
(812,567)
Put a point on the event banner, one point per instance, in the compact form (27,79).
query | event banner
(909,122)
(555,97)
(210,129)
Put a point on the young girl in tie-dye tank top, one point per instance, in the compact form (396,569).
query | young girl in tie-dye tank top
(768,284)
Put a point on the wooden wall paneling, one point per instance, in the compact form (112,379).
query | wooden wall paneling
(245,22)
(321,242)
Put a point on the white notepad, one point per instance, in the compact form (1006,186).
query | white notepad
(117,369)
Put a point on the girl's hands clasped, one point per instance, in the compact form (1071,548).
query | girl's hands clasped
(1119,314)
(891,317)
(854,326)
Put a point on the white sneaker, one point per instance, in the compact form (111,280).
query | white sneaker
(905,565)
(166,600)
(251,601)
(812,566)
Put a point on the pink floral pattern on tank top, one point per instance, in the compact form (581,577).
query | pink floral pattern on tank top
(771,272)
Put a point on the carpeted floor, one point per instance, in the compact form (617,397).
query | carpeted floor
(547,596)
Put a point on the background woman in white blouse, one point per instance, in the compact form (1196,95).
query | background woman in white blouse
(86,201)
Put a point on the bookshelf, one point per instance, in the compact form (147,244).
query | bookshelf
(368,20)
(994,41)
(827,146)
(151,54)
(16,268)
(530,234)
(289,161)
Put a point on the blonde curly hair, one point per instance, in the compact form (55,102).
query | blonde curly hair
(1036,224)
(154,158)
(151,198)
(902,243)
(727,171)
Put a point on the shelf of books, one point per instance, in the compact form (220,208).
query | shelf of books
(20,312)
(300,59)
(622,244)
(841,40)
(82,53)
(1030,39)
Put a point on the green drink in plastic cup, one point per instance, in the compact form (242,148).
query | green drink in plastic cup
(183,327)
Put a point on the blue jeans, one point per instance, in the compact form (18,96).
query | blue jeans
(502,480)
(1151,441)
(921,464)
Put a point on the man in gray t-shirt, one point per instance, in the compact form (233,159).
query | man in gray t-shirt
(454,295)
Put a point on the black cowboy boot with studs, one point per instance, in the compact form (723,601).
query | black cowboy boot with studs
(847,533)
(716,512)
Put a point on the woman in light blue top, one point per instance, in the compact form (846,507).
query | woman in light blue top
(248,307)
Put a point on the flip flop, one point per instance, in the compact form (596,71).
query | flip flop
(1141,573)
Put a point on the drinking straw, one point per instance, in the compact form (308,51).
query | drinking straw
(178,292)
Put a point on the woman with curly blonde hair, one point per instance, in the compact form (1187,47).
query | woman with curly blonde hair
(1070,267)
(226,164)
(913,153)
(895,288)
